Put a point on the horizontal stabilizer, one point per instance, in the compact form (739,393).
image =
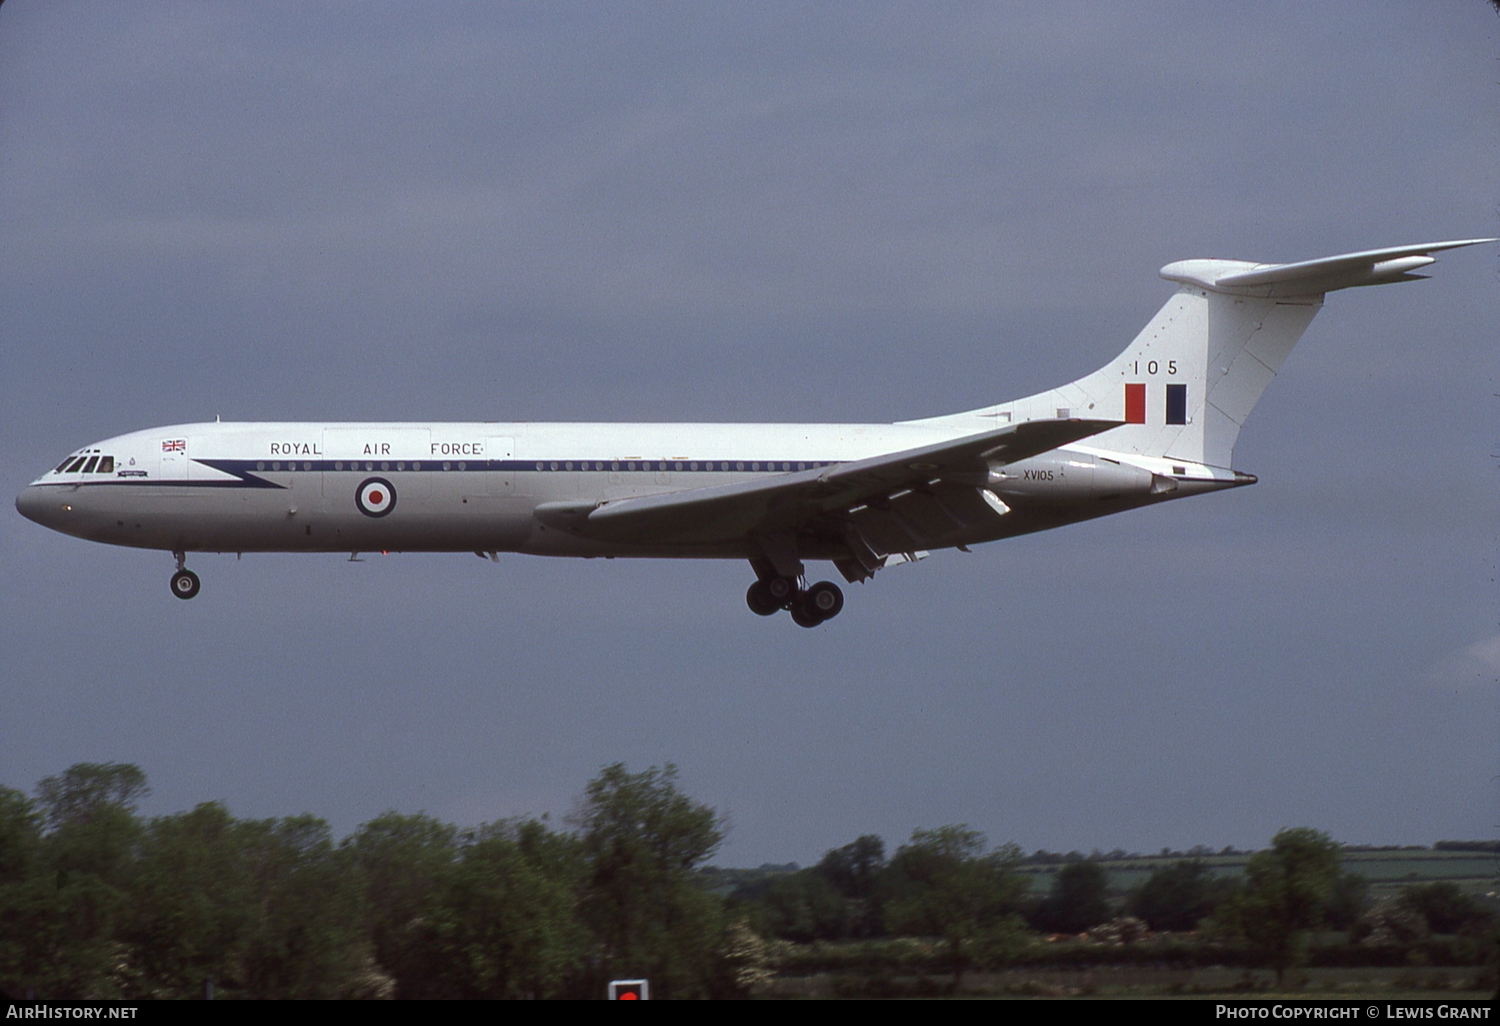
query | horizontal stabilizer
(1311,277)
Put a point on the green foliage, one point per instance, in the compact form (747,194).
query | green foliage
(1077,901)
(20,836)
(747,958)
(1283,897)
(855,868)
(96,902)
(305,939)
(20,871)
(857,872)
(69,908)
(842,897)
(67,926)
(1179,896)
(86,789)
(1391,924)
(1446,908)
(104,905)
(803,907)
(641,821)
(642,838)
(505,926)
(1348,899)
(944,885)
(192,901)
(405,863)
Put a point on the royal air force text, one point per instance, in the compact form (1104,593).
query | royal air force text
(378,449)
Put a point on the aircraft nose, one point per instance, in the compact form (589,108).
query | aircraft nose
(34,504)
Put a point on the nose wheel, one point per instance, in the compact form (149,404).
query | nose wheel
(185,583)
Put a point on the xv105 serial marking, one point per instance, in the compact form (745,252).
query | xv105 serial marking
(1158,422)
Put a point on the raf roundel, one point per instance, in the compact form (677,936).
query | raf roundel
(375,497)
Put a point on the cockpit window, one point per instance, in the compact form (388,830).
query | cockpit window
(77,462)
(88,468)
(106,465)
(62,465)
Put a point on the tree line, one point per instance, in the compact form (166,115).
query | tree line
(944,885)
(97,901)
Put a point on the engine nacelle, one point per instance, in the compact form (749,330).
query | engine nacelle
(1068,477)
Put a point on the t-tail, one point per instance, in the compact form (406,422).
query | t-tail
(1184,387)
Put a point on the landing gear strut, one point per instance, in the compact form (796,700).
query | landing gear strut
(810,607)
(185,583)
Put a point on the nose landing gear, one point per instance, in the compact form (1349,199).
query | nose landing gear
(185,583)
(810,607)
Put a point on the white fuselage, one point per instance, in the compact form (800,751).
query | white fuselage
(475,487)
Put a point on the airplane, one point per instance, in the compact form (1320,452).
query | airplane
(1158,422)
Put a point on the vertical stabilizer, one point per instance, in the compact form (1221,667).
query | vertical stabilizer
(1188,381)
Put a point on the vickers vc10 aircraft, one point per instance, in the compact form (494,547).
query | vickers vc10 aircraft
(1158,422)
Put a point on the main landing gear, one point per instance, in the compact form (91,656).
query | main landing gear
(810,607)
(185,583)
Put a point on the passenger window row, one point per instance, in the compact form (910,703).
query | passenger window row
(662,465)
(352,465)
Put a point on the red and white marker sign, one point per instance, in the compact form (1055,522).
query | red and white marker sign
(375,497)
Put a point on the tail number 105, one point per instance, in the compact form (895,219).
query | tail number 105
(1154,367)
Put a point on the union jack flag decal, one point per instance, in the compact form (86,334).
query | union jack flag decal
(174,445)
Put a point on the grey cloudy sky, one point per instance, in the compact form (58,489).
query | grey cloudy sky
(845,212)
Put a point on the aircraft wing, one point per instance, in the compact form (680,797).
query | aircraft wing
(793,501)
